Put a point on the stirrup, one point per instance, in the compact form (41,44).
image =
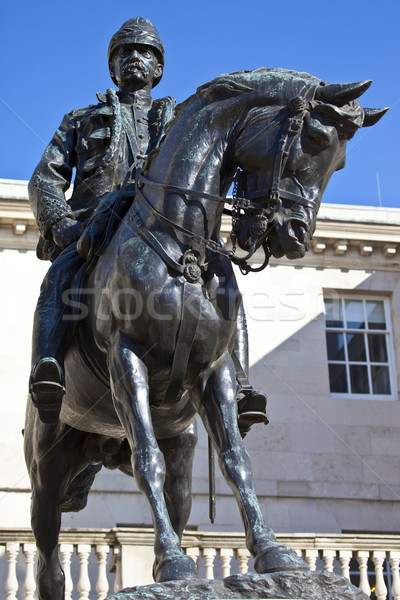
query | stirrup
(251,409)
(47,389)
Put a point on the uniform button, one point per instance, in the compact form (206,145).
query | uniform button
(141,136)
(138,107)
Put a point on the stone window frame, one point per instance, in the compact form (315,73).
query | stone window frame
(367,365)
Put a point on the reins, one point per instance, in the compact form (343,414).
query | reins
(211,245)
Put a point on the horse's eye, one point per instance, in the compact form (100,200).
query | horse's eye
(317,136)
(318,139)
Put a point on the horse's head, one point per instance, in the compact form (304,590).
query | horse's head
(288,152)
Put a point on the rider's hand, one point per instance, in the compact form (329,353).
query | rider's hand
(91,239)
(66,231)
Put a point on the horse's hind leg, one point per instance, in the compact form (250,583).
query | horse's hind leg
(131,400)
(178,455)
(217,407)
(50,463)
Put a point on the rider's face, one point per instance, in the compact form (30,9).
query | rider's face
(135,66)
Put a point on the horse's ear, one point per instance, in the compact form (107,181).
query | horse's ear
(372,115)
(341,93)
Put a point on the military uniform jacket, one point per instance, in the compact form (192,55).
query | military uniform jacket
(88,140)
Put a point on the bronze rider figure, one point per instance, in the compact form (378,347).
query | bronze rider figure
(105,144)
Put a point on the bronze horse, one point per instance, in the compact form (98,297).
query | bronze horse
(154,349)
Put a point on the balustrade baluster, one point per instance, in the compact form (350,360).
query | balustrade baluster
(378,557)
(84,581)
(29,584)
(311,556)
(66,551)
(23,587)
(194,552)
(362,559)
(394,560)
(12,550)
(345,557)
(242,556)
(116,562)
(2,553)
(208,557)
(226,555)
(102,582)
(328,556)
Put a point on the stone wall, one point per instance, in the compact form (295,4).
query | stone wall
(323,464)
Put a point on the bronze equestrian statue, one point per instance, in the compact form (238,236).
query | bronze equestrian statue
(155,348)
(106,144)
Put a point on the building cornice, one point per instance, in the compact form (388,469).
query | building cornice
(366,236)
(348,237)
(18,229)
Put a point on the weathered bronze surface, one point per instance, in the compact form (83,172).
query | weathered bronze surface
(157,314)
(277,586)
(105,144)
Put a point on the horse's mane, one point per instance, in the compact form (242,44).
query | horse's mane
(275,87)
(268,80)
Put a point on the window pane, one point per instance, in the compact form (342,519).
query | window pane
(335,345)
(377,348)
(375,314)
(380,380)
(338,379)
(359,379)
(355,314)
(357,340)
(333,312)
(356,347)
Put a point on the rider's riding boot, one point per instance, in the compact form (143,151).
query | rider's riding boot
(47,388)
(51,335)
(54,326)
(251,403)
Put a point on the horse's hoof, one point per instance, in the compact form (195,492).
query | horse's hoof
(51,585)
(174,569)
(278,558)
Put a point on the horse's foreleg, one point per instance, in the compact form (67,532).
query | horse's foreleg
(131,399)
(217,407)
(178,455)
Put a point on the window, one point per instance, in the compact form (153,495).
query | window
(359,346)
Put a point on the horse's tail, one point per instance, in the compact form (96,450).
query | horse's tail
(78,490)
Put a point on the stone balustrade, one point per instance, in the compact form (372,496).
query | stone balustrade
(99,562)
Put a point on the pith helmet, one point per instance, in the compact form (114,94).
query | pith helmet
(137,31)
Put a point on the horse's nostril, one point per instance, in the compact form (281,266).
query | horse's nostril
(297,229)
(301,233)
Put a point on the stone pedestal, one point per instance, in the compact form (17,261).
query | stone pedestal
(306,585)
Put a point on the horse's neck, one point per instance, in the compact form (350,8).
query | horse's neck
(190,160)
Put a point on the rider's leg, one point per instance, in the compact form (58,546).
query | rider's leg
(178,455)
(131,400)
(54,326)
(216,404)
(251,403)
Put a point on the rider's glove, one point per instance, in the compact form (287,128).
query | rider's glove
(66,231)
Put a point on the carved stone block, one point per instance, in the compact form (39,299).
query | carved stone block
(306,585)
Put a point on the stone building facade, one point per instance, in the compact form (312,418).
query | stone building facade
(325,346)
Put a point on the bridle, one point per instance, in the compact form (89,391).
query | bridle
(264,212)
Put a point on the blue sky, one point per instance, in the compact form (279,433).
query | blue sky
(54,60)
